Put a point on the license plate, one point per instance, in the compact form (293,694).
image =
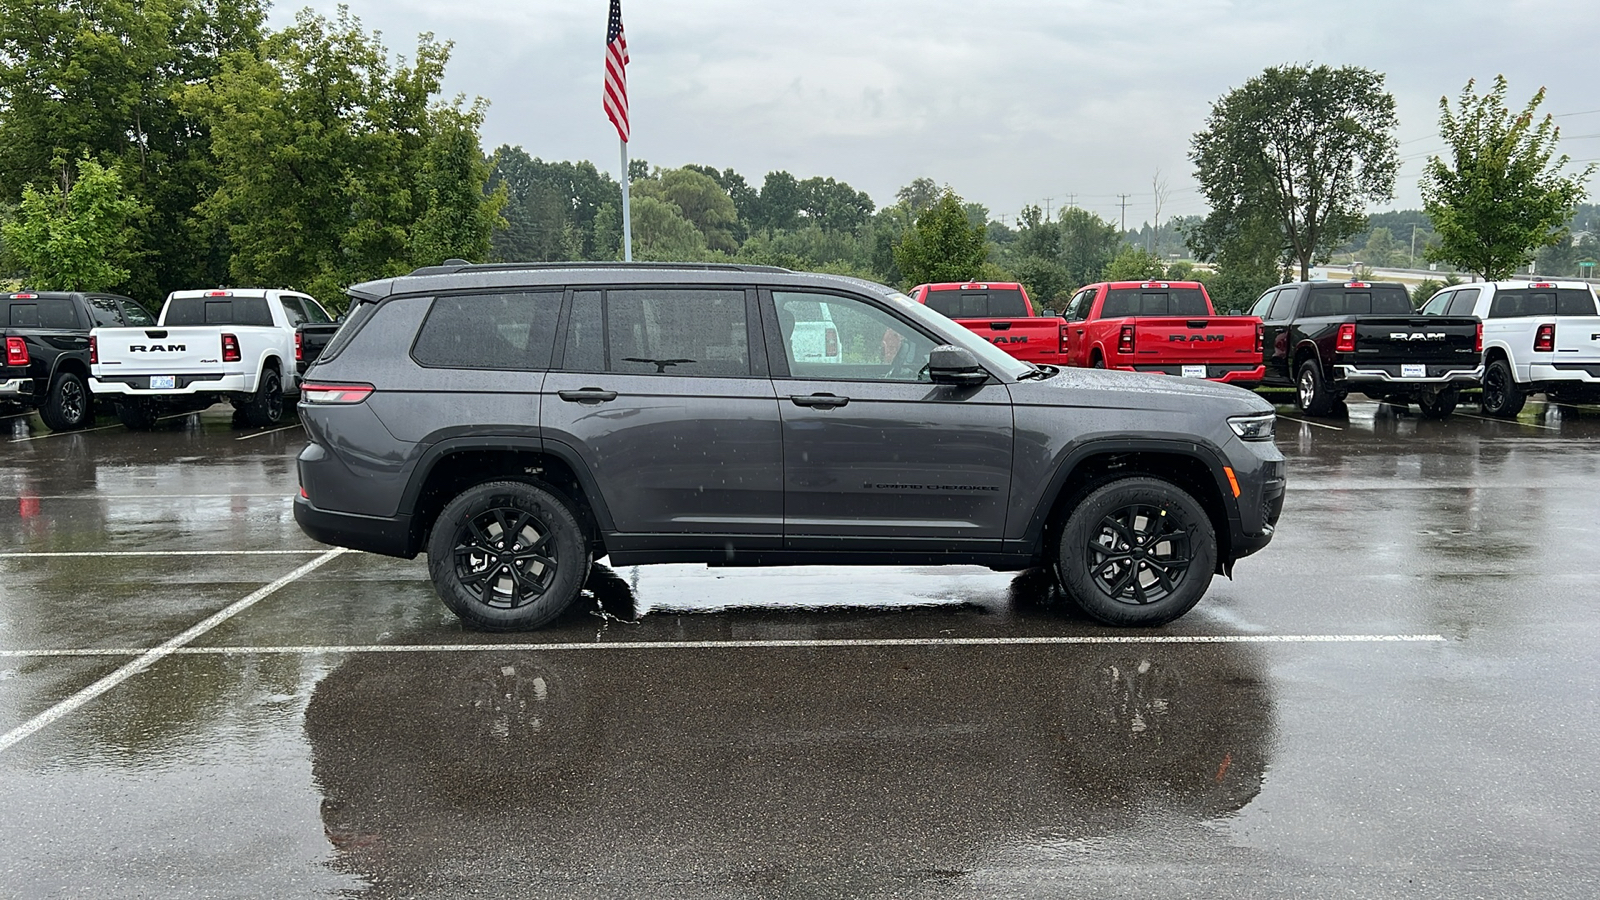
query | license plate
(1194,371)
(163,382)
(1410,370)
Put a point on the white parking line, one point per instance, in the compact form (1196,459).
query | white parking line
(283,495)
(1506,421)
(264,433)
(48,554)
(40,437)
(148,658)
(1306,422)
(585,647)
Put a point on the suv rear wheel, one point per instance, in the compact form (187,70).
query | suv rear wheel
(508,556)
(1138,551)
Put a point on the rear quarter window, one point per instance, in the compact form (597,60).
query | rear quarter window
(489,331)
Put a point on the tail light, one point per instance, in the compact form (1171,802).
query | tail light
(299,347)
(1545,340)
(1477,342)
(334,394)
(830,343)
(94,350)
(1261,337)
(1062,346)
(1346,342)
(16,351)
(230,348)
(1125,340)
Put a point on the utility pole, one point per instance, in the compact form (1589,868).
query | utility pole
(1072,200)
(1124,198)
(1047,208)
(1413,246)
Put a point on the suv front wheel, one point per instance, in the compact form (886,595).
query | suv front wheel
(507,556)
(1138,551)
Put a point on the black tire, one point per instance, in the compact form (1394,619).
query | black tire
(265,406)
(136,414)
(1099,361)
(1311,393)
(69,405)
(1502,396)
(1440,405)
(1136,552)
(495,587)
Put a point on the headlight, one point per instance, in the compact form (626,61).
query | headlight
(1258,427)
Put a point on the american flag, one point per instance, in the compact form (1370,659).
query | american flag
(616,99)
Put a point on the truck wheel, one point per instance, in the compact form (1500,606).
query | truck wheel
(136,414)
(1311,392)
(1138,551)
(265,406)
(69,405)
(507,556)
(1502,397)
(1440,405)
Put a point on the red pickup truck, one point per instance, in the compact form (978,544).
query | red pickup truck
(1002,314)
(1166,327)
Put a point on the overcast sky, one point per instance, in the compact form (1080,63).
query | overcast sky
(1008,102)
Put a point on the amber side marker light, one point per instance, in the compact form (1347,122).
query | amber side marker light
(1232,481)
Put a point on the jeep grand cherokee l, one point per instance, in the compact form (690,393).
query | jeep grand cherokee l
(516,422)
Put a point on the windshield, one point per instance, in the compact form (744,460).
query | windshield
(995,359)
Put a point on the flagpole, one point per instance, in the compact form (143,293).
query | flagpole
(627,220)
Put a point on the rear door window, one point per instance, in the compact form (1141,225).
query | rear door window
(293,310)
(1462,302)
(1283,305)
(105,312)
(1437,305)
(489,331)
(677,331)
(136,315)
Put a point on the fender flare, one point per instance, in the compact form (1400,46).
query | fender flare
(435,453)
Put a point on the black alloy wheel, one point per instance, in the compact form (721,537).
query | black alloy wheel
(1138,551)
(1502,397)
(265,406)
(507,556)
(68,407)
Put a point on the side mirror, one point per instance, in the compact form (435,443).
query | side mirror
(1047,312)
(949,364)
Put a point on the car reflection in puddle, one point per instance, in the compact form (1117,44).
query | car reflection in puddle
(763,768)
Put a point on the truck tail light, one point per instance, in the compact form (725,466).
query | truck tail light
(334,394)
(16,351)
(1125,340)
(94,350)
(1062,347)
(1346,342)
(230,348)
(830,343)
(1545,340)
(299,347)
(1477,342)
(1261,337)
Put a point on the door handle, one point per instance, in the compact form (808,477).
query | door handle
(1080,331)
(818,401)
(587,395)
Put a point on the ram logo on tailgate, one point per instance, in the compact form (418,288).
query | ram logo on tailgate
(1185,338)
(157,348)
(1416,335)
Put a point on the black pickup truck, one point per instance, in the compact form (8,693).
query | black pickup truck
(46,365)
(1329,339)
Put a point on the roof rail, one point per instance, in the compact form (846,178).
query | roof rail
(452,266)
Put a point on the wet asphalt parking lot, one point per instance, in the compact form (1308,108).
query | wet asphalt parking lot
(1397,698)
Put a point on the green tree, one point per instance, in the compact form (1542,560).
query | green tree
(920,194)
(834,205)
(1088,244)
(942,245)
(1502,194)
(74,235)
(552,209)
(1305,148)
(455,221)
(662,234)
(699,199)
(104,79)
(1381,249)
(1134,264)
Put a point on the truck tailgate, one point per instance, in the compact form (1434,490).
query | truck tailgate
(1426,340)
(159,351)
(1036,340)
(1194,339)
(1577,339)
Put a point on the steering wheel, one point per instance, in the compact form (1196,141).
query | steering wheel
(900,368)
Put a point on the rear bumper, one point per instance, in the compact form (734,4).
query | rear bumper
(199,383)
(1436,376)
(16,388)
(1222,373)
(389,536)
(1576,373)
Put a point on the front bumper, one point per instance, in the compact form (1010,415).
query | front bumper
(16,388)
(1437,375)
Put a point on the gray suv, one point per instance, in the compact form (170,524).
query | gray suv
(516,422)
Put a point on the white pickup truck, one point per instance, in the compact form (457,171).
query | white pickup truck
(239,344)
(1538,336)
